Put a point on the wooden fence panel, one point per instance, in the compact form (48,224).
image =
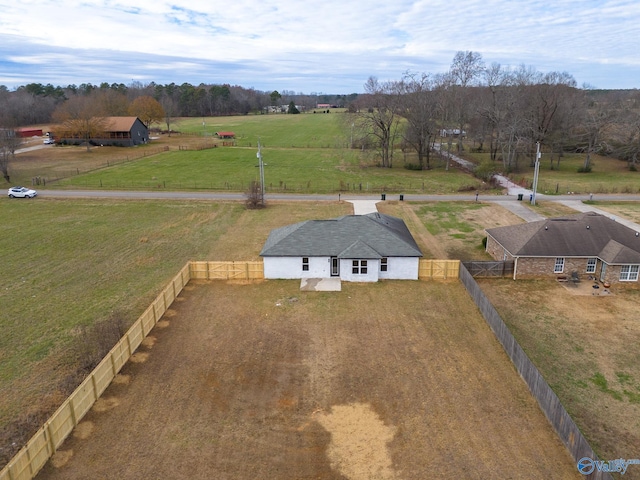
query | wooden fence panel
(159,307)
(136,335)
(147,321)
(83,398)
(31,458)
(490,268)
(106,371)
(199,270)
(118,356)
(227,270)
(438,269)
(169,294)
(60,425)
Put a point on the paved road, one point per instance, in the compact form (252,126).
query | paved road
(510,202)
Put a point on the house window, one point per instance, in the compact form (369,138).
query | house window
(591,265)
(359,267)
(305,264)
(559,266)
(629,273)
(384,264)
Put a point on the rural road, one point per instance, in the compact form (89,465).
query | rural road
(155,195)
(509,201)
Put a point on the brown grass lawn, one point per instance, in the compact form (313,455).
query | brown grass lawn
(385,381)
(587,349)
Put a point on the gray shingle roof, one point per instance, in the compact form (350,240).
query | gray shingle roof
(582,235)
(351,236)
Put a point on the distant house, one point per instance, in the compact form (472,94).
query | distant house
(452,132)
(225,134)
(355,248)
(120,131)
(588,244)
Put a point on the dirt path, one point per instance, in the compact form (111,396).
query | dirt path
(431,247)
(396,380)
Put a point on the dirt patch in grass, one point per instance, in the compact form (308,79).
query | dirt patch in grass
(451,230)
(361,384)
(586,348)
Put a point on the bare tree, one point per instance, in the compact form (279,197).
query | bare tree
(466,68)
(254,197)
(590,133)
(378,116)
(9,143)
(625,137)
(419,106)
(79,118)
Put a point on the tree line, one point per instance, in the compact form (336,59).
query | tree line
(36,103)
(503,111)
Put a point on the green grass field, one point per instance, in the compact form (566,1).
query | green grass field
(306,153)
(307,130)
(294,170)
(69,264)
(608,175)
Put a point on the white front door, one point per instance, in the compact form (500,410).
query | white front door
(603,271)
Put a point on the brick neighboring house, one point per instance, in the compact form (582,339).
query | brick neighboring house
(586,244)
(120,131)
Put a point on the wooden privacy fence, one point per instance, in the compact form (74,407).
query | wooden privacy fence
(28,461)
(490,269)
(438,269)
(549,402)
(227,270)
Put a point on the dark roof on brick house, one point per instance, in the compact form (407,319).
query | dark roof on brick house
(583,235)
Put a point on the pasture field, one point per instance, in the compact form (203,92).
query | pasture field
(286,171)
(306,153)
(67,265)
(385,381)
(608,175)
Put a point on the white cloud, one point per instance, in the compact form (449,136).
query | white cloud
(266,43)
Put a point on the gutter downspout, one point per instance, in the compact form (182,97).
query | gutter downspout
(515,267)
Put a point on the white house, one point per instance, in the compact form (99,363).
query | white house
(354,248)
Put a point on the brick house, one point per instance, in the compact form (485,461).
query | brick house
(586,245)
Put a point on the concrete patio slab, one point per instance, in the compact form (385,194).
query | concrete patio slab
(321,284)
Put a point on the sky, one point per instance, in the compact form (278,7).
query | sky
(311,46)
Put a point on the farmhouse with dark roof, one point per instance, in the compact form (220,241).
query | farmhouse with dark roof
(120,131)
(587,244)
(355,248)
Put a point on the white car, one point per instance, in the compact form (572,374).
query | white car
(49,141)
(21,192)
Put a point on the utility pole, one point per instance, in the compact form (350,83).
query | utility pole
(261,166)
(535,174)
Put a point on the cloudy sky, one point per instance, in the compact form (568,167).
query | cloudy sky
(310,46)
